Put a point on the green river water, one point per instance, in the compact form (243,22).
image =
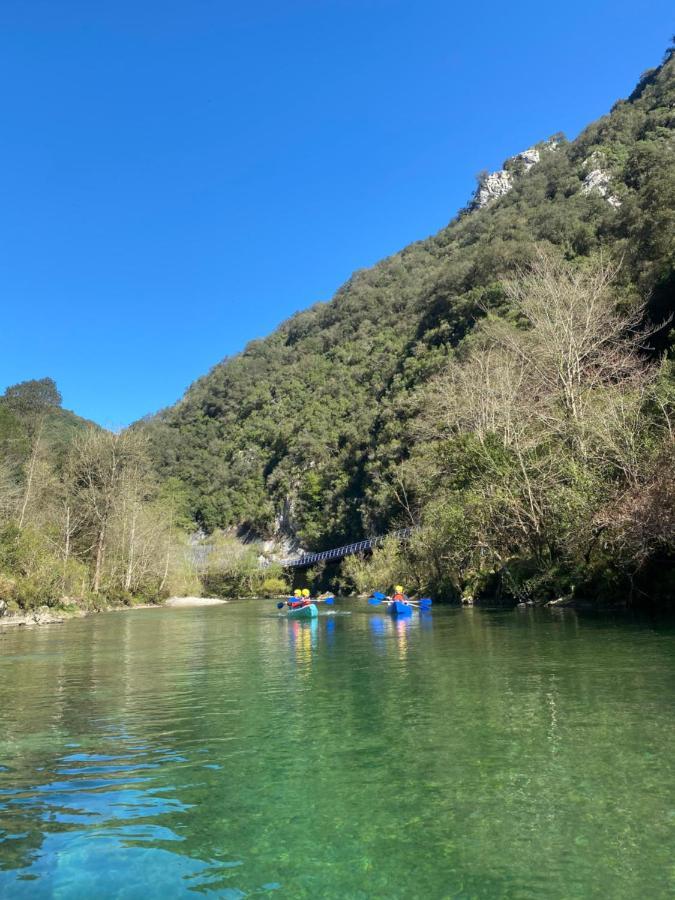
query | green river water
(229,752)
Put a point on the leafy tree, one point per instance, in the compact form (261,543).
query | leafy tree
(33,397)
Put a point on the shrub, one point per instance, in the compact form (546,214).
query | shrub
(385,567)
(274,587)
(7,588)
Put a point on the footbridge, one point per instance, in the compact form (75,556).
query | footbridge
(309,559)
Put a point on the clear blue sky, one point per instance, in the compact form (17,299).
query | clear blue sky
(179,176)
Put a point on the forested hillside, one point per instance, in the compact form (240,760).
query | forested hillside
(337,424)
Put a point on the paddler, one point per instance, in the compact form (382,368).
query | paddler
(295,602)
(399,594)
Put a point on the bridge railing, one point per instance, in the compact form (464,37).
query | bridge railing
(308,559)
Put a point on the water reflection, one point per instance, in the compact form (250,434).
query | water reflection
(384,627)
(303,640)
(227,752)
(378,628)
(401,629)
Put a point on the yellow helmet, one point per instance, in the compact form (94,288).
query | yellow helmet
(297,592)
(399,588)
(305,593)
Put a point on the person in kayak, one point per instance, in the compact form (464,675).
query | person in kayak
(295,602)
(300,599)
(399,594)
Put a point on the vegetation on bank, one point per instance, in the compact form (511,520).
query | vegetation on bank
(83,519)
(232,568)
(85,523)
(358,416)
(544,458)
(507,384)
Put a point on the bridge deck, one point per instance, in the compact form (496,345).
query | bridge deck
(308,559)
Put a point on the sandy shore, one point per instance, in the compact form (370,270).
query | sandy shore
(194,601)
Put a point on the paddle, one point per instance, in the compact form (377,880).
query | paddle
(329,600)
(423,603)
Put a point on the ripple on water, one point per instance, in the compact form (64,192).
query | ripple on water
(231,753)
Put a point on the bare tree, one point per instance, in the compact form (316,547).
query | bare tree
(36,447)
(563,387)
(575,339)
(99,462)
(32,401)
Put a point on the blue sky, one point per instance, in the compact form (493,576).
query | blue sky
(177,177)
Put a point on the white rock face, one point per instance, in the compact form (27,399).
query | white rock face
(530,157)
(495,185)
(598,182)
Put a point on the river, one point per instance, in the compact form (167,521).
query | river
(230,752)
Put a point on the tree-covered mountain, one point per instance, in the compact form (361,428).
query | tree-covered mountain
(322,430)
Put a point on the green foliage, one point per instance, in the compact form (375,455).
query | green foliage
(30,397)
(14,439)
(274,586)
(309,431)
(384,568)
(173,498)
(81,517)
(233,569)
(7,588)
(31,573)
(352,418)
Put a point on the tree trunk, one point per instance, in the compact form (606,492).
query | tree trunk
(130,561)
(166,571)
(31,472)
(100,552)
(66,549)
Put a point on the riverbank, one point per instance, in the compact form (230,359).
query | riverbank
(46,615)
(43,615)
(182,602)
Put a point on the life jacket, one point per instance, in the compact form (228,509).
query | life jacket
(399,597)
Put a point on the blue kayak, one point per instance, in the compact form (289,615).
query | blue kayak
(399,608)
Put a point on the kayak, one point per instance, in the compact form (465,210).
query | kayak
(398,608)
(304,612)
